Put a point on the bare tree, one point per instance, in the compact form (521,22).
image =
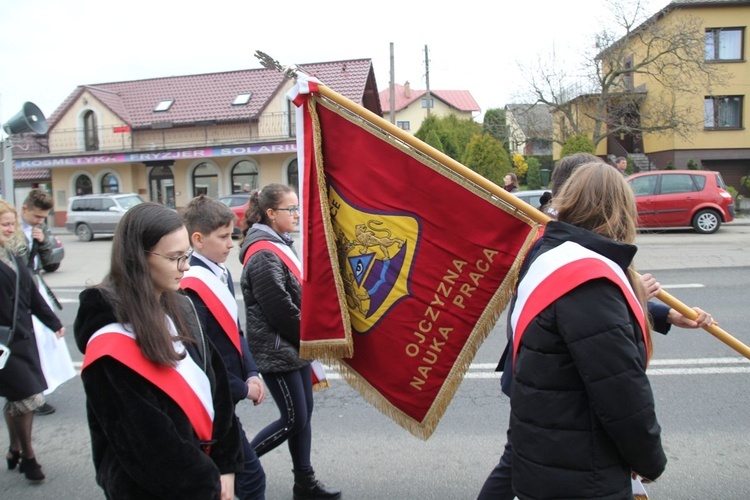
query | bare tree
(599,98)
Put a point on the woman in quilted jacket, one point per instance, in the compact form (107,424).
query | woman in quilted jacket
(273,294)
(582,411)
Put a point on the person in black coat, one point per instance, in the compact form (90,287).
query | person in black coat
(273,295)
(159,408)
(209,285)
(582,411)
(21,381)
(498,485)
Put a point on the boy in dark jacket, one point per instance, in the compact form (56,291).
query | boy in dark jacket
(209,285)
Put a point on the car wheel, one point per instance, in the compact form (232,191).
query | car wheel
(706,221)
(84,232)
(52,268)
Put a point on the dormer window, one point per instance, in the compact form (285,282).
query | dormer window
(164,105)
(242,99)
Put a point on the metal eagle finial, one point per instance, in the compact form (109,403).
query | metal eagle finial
(269,62)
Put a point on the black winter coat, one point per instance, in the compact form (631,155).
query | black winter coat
(22,376)
(582,410)
(272,307)
(144,446)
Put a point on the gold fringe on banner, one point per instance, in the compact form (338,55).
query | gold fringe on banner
(329,349)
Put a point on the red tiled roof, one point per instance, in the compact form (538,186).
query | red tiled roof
(459,99)
(348,78)
(29,143)
(209,96)
(31,174)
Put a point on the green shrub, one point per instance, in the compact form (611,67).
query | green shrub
(577,144)
(533,175)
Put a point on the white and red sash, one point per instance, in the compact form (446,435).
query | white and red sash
(283,252)
(186,384)
(557,272)
(218,299)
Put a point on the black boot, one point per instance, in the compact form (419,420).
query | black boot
(31,469)
(306,487)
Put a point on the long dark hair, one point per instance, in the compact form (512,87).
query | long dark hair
(130,289)
(260,201)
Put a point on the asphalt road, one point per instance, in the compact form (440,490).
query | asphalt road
(701,387)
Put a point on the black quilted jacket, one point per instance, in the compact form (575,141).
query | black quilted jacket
(272,307)
(582,410)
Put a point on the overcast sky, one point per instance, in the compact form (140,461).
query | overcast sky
(49,47)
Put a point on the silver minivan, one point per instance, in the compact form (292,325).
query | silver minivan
(98,213)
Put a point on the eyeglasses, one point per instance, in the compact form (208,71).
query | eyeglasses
(291,210)
(180,259)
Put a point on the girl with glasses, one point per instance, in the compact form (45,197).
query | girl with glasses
(272,293)
(160,412)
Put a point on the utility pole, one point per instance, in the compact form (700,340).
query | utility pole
(427,79)
(392,95)
(8,191)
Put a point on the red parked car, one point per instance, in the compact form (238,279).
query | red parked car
(239,204)
(682,198)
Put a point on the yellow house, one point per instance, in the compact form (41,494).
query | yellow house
(170,139)
(718,137)
(412,106)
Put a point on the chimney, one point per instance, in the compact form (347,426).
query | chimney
(407,90)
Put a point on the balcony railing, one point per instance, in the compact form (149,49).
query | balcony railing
(271,127)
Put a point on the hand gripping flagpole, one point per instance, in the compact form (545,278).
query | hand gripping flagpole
(520,205)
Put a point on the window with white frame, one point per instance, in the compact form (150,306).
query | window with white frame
(110,184)
(244,177)
(90,132)
(292,175)
(206,180)
(424,103)
(724,44)
(404,125)
(722,112)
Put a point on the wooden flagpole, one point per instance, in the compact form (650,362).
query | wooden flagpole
(504,195)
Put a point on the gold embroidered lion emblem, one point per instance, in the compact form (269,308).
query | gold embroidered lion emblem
(365,236)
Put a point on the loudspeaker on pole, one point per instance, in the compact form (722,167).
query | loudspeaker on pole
(29,119)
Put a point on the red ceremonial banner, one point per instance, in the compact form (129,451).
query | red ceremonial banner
(408,265)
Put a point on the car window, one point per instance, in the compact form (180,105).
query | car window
(700,181)
(76,206)
(128,202)
(720,181)
(677,183)
(96,205)
(643,186)
(106,204)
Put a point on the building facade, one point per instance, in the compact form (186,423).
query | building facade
(171,139)
(529,129)
(718,138)
(413,106)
